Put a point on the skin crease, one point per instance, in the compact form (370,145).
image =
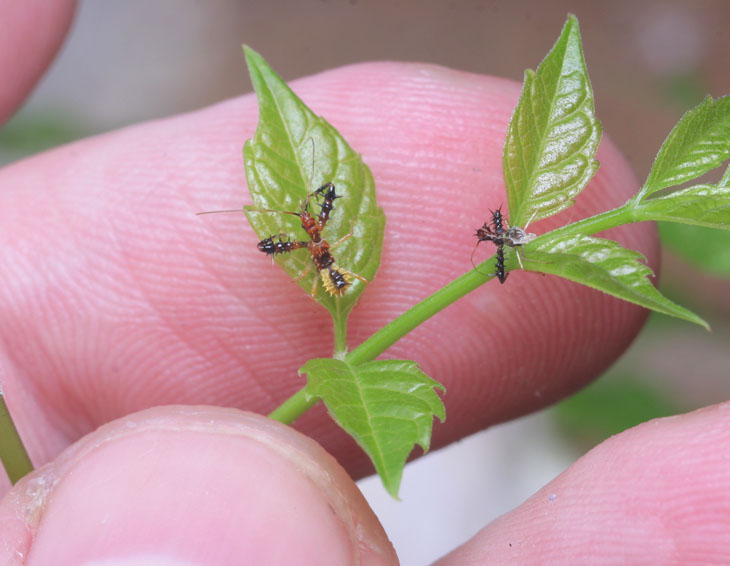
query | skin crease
(117,298)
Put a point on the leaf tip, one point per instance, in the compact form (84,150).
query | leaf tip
(249,53)
(692,317)
(256,65)
(392,486)
(571,27)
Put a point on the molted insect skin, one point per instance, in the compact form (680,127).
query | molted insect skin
(335,279)
(516,237)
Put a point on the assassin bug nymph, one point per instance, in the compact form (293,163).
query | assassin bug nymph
(335,279)
(501,234)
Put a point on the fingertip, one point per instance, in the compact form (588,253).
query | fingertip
(30,35)
(656,494)
(201,485)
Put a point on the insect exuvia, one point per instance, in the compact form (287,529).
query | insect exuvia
(501,234)
(335,279)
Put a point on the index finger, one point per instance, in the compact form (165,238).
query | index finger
(30,35)
(119,298)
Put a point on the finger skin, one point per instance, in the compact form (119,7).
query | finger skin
(191,485)
(30,35)
(657,494)
(117,297)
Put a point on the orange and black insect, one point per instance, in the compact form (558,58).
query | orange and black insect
(501,234)
(335,279)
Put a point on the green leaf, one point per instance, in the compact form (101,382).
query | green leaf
(553,134)
(702,205)
(604,265)
(13,455)
(698,143)
(292,153)
(725,179)
(387,406)
(705,248)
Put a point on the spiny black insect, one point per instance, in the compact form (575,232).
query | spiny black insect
(497,221)
(494,233)
(499,266)
(501,234)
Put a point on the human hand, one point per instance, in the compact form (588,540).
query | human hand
(117,298)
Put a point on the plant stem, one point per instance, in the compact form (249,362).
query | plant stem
(12,452)
(598,223)
(340,332)
(297,404)
(389,334)
(395,330)
(291,409)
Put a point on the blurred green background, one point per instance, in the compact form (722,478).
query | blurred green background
(649,62)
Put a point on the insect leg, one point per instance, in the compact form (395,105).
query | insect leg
(303,274)
(355,275)
(313,294)
(530,220)
(519,259)
(341,240)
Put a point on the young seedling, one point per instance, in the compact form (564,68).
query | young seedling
(549,157)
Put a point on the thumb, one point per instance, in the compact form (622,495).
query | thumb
(191,485)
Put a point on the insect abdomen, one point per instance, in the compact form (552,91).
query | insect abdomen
(334,279)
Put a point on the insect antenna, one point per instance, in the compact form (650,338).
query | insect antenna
(299,214)
(305,204)
(219,211)
(245,209)
(311,176)
(530,220)
(471,258)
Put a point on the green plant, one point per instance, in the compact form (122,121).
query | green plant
(388,406)
(549,157)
